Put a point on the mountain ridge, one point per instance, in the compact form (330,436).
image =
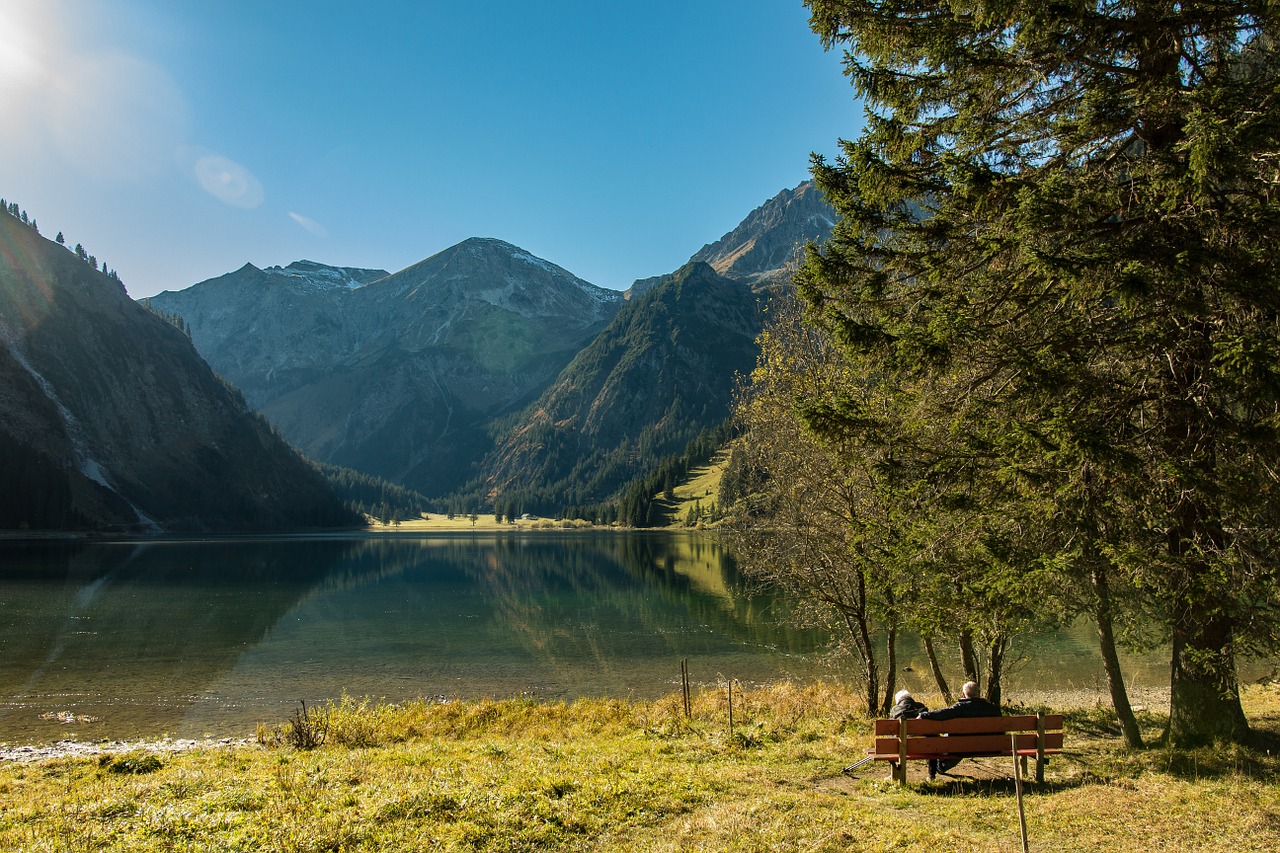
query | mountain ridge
(645,386)
(112,420)
(421,376)
(400,376)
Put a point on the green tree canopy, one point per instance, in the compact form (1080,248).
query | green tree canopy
(1058,239)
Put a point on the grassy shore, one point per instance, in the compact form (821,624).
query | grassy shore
(614,775)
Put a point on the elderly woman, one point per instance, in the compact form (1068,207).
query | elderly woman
(905,707)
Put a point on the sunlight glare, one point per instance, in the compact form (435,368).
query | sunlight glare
(20,52)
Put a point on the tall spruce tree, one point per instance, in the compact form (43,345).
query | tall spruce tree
(1058,236)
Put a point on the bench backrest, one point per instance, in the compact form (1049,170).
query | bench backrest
(983,735)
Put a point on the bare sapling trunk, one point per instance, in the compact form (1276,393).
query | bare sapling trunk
(995,670)
(938,677)
(1111,659)
(856,624)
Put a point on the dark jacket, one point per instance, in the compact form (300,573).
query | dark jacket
(907,709)
(964,708)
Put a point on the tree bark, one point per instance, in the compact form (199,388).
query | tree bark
(1111,659)
(1204,703)
(968,656)
(995,671)
(890,669)
(856,623)
(938,677)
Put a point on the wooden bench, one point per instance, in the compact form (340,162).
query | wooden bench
(968,737)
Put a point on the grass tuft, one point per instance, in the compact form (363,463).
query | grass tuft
(134,763)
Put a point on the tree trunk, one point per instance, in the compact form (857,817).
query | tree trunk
(938,677)
(890,669)
(996,669)
(856,623)
(1111,659)
(968,656)
(1204,695)
(1204,700)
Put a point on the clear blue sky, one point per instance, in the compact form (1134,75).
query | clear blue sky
(178,139)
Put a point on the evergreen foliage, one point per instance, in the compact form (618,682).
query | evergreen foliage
(13,209)
(1056,258)
(372,496)
(633,502)
(44,500)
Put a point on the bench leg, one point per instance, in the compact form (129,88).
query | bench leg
(900,772)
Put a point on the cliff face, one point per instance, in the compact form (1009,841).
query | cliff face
(767,242)
(399,376)
(112,420)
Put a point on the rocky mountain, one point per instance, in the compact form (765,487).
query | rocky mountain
(395,375)
(113,421)
(659,374)
(765,245)
(446,377)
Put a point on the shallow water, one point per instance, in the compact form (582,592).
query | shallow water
(193,638)
(196,638)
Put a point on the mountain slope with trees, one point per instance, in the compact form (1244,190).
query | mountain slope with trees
(113,421)
(417,377)
(655,378)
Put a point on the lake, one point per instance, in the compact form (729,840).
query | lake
(195,638)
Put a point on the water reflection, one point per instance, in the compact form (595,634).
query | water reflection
(207,637)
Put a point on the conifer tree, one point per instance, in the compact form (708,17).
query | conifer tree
(1057,244)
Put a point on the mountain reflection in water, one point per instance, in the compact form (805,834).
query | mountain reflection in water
(193,638)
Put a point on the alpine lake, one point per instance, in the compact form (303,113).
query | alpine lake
(194,638)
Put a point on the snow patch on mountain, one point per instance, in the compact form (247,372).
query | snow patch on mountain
(320,277)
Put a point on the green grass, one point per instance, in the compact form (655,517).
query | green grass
(614,775)
(699,492)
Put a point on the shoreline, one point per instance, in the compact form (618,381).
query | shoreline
(93,749)
(1154,699)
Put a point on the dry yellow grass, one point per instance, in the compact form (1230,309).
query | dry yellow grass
(611,775)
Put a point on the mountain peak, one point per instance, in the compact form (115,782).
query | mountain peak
(498,272)
(318,276)
(770,237)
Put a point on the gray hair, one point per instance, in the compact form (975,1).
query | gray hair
(970,690)
(901,695)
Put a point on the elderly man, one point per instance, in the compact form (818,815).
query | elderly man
(969,705)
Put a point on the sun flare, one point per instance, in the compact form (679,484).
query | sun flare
(23,36)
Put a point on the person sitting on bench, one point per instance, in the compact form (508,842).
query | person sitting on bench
(969,705)
(906,707)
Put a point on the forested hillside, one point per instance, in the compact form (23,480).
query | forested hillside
(658,376)
(113,421)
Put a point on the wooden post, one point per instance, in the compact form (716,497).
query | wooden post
(684,688)
(900,772)
(1040,747)
(1017,784)
(730,707)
